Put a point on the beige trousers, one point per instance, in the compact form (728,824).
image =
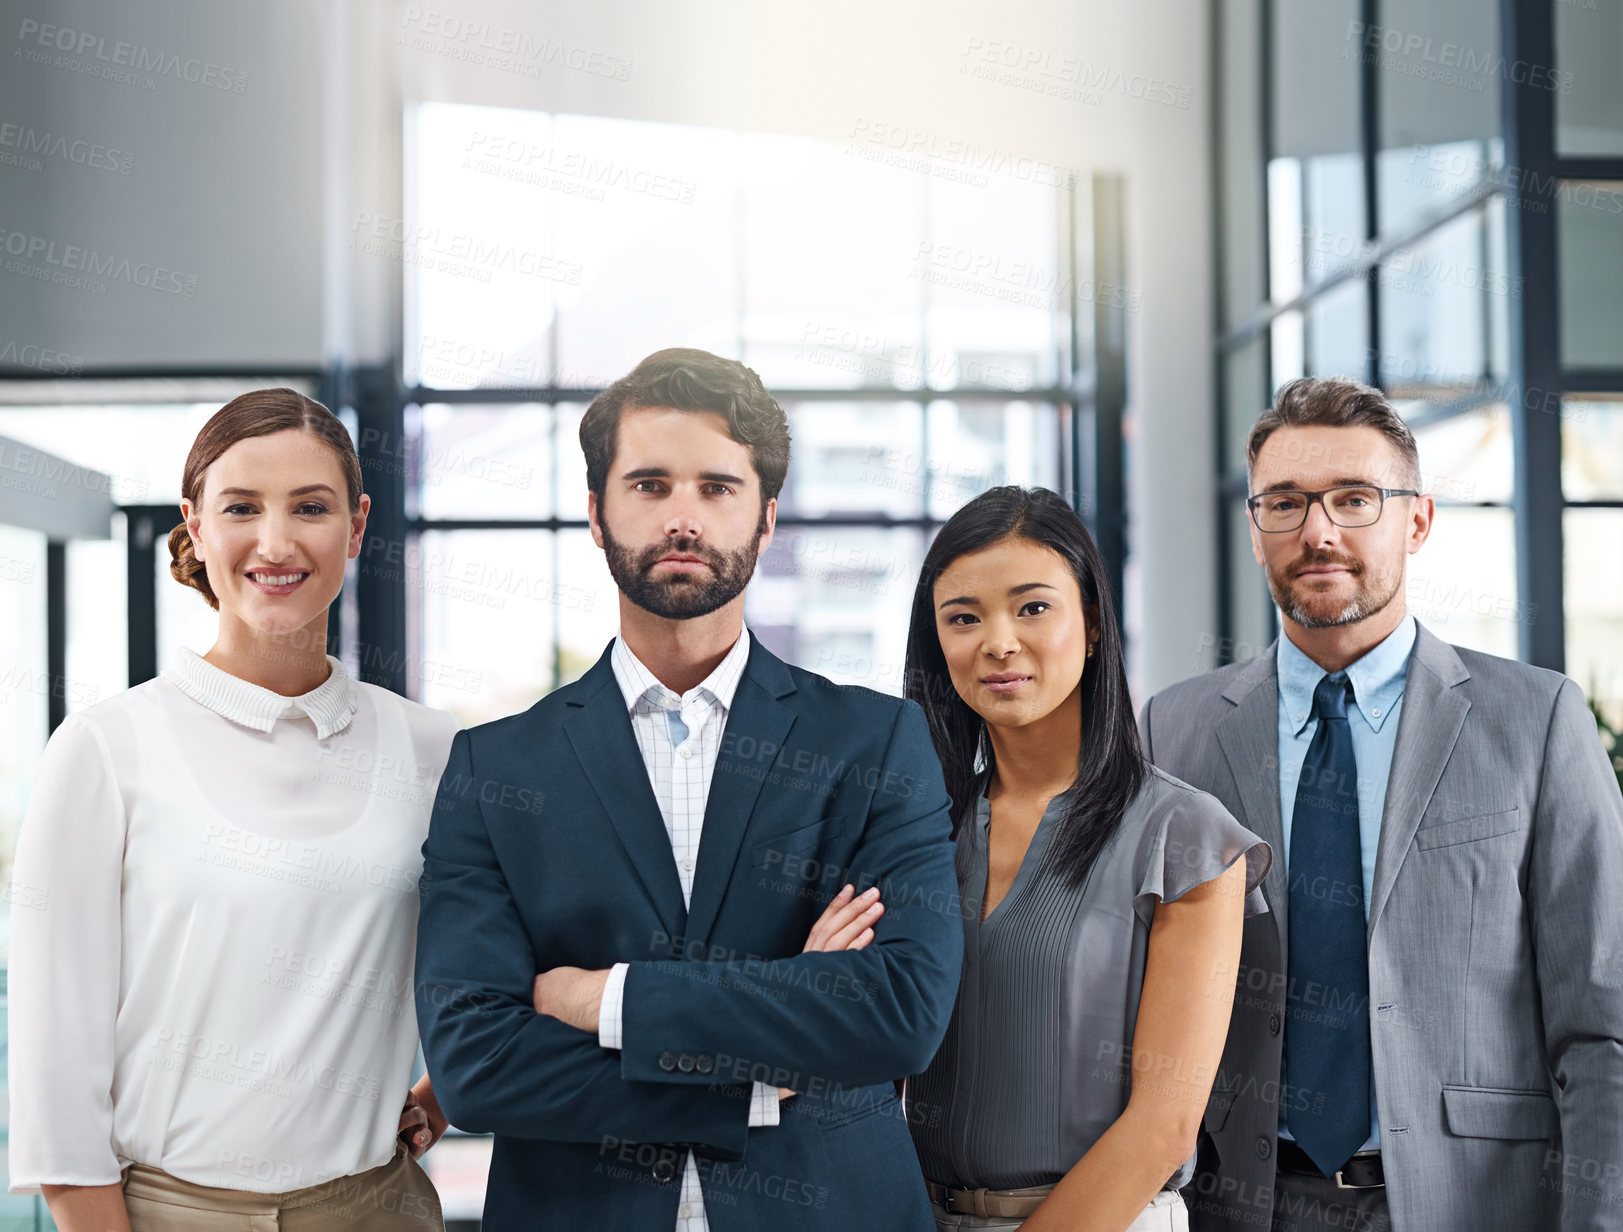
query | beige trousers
(396,1197)
(1165,1213)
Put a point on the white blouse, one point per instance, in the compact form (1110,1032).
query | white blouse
(213,928)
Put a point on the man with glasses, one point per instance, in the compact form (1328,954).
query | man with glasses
(1428,1025)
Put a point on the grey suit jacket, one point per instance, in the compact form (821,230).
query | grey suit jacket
(1495,947)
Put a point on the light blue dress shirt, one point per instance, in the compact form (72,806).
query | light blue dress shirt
(1377,681)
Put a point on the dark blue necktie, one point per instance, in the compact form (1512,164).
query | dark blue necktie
(1327,1054)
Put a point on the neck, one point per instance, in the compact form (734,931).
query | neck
(1038,760)
(681,653)
(1336,647)
(289,663)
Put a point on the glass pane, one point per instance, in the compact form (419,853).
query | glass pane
(1315,75)
(1592,450)
(1468,458)
(657,249)
(998,288)
(832,241)
(487,611)
(1255,618)
(1589,89)
(836,600)
(1437,304)
(1439,94)
(25,689)
(1594,605)
(1287,350)
(1240,169)
(98,636)
(25,685)
(571,474)
(1462,584)
(1316,220)
(141,448)
(1338,332)
(855,457)
(184,618)
(1246,394)
(980,445)
(480,461)
(588,609)
(1590,217)
(523,230)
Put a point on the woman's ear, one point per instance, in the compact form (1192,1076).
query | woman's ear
(194,527)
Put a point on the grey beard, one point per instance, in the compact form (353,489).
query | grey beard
(1360,607)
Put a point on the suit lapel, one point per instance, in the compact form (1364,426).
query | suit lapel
(1249,738)
(757,725)
(599,730)
(1433,714)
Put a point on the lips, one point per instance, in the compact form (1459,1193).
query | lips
(277,581)
(1005,682)
(681,562)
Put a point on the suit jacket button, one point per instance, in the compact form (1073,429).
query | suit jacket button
(1273,1024)
(685,1063)
(706,1064)
(667,1061)
(1264,1148)
(664,1171)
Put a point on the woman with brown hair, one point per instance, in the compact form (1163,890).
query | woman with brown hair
(212,1014)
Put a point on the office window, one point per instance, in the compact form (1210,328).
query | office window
(1413,105)
(940,295)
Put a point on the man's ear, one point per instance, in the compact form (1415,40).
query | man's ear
(593,512)
(769,515)
(1420,520)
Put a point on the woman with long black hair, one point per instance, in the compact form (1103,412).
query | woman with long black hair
(1102,899)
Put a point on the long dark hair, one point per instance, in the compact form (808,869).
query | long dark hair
(1110,761)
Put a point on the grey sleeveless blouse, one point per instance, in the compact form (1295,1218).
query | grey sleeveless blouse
(1037,1060)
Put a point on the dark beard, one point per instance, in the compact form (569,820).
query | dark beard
(680,596)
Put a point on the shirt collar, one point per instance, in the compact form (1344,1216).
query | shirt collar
(1377,678)
(330,705)
(637,682)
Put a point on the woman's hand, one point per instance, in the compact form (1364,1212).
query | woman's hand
(847,922)
(422,1124)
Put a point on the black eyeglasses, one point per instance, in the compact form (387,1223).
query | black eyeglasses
(1350,506)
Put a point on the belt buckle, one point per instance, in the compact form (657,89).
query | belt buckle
(946,1201)
(1341,1184)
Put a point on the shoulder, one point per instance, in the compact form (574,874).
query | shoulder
(431,729)
(857,702)
(1198,694)
(1162,796)
(1510,681)
(118,721)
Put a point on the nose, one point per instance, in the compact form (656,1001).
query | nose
(1317,528)
(999,641)
(683,521)
(275,538)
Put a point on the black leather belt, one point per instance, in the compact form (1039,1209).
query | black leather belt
(1362,1171)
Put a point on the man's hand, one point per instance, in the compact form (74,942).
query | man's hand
(571,995)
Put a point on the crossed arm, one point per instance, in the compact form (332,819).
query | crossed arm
(500,1066)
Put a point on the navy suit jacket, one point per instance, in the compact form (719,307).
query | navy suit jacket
(547,849)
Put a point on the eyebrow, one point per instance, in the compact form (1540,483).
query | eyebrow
(971,601)
(660,472)
(304,491)
(1293,485)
